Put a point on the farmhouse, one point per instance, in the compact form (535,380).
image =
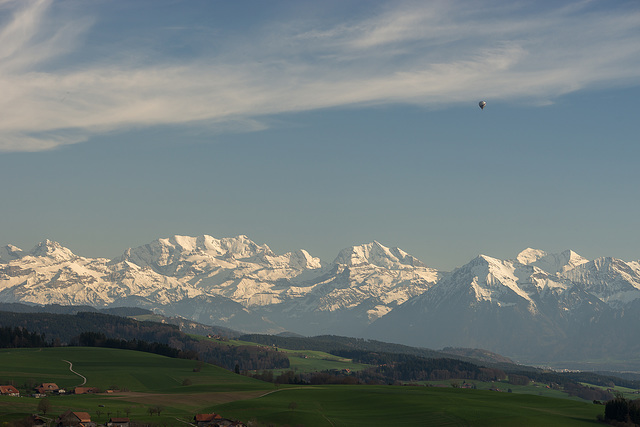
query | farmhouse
(85,390)
(74,419)
(47,388)
(9,390)
(214,420)
(118,422)
(204,420)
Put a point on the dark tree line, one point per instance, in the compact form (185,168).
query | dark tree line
(18,337)
(585,392)
(247,358)
(391,367)
(63,328)
(623,412)
(331,343)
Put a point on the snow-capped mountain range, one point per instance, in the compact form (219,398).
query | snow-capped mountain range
(232,282)
(536,305)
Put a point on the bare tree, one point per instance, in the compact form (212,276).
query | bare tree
(44,406)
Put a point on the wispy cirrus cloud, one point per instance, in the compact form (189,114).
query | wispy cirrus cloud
(426,54)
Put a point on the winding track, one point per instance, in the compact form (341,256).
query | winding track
(84,379)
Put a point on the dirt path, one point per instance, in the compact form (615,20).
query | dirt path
(282,389)
(84,379)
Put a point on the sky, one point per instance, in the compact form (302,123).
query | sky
(322,125)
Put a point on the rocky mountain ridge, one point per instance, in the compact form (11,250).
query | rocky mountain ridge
(230,282)
(537,305)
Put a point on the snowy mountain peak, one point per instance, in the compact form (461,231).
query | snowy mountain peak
(529,256)
(375,253)
(9,253)
(610,264)
(484,261)
(612,280)
(301,260)
(493,269)
(486,279)
(167,251)
(560,263)
(243,247)
(53,250)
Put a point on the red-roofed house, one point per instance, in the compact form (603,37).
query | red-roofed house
(203,420)
(47,388)
(85,390)
(75,419)
(214,420)
(9,390)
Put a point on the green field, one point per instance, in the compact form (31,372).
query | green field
(410,406)
(315,361)
(173,384)
(150,379)
(538,389)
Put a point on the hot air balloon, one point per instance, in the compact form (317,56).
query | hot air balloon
(481,104)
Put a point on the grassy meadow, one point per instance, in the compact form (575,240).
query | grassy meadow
(181,387)
(534,388)
(315,361)
(410,406)
(185,387)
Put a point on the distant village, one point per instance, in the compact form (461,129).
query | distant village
(72,418)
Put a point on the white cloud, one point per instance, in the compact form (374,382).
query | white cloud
(430,55)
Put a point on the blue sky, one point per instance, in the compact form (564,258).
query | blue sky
(321,125)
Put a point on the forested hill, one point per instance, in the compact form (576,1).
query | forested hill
(99,329)
(333,344)
(137,313)
(63,328)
